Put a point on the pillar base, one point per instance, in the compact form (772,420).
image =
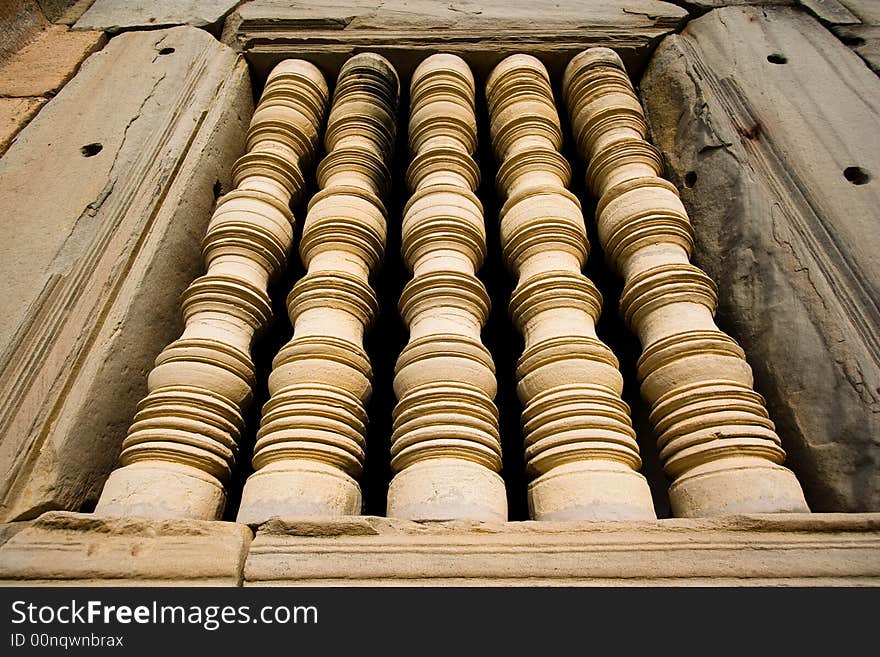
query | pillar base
(160,490)
(447,489)
(295,489)
(736,486)
(591,490)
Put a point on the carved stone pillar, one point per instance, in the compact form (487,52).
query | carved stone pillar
(445,448)
(310,447)
(580,445)
(182,444)
(716,441)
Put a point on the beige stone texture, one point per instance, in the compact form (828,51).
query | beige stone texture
(66,12)
(310,447)
(10,529)
(117,16)
(760,152)
(581,449)
(783,550)
(841,12)
(855,22)
(716,442)
(445,447)
(20,21)
(182,446)
(84,550)
(14,115)
(482,32)
(112,185)
(700,6)
(47,61)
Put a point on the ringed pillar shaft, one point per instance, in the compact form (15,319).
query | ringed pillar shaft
(445,447)
(580,446)
(717,443)
(311,444)
(182,445)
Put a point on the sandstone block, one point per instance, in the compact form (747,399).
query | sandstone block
(115,16)
(14,115)
(771,129)
(66,12)
(19,22)
(85,550)
(756,550)
(47,61)
(111,187)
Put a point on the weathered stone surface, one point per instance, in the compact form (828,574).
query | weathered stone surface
(855,22)
(112,186)
(795,549)
(864,40)
(115,16)
(14,115)
(831,11)
(66,12)
(483,33)
(19,22)
(861,34)
(10,529)
(770,158)
(706,5)
(47,61)
(85,550)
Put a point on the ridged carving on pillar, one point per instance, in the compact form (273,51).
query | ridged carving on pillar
(580,445)
(445,449)
(717,444)
(311,444)
(182,445)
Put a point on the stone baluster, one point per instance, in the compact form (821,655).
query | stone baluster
(445,448)
(717,444)
(580,445)
(182,445)
(311,443)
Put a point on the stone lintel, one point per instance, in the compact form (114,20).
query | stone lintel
(85,550)
(483,33)
(753,550)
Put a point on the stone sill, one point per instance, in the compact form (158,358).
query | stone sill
(63,548)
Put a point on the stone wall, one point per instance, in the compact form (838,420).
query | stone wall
(772,138)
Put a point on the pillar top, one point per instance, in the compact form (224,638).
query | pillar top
(301,68)
(371,61)
(444,62)
(514,62)
(586,59)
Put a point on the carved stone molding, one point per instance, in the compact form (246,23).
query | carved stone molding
(310,447)
(77,549)
(580,445)
(445,448)
(768,550)
(62,549)
(717,444)
(182,445)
